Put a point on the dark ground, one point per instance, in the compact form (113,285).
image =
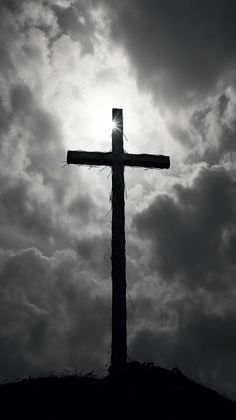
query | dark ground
(140,391)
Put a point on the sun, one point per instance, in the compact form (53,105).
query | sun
(113,125)
(104,124)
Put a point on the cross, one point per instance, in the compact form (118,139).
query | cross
(117,160)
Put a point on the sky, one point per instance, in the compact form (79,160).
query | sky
(171,67)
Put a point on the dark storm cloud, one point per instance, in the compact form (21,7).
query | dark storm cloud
(19,207)
(180,50)
(85,206)
(4,120)
(192,251)
(92,247)
(94,251)
(189,231)
(214,125)
(190,235)
(202,345)
(44,302)
(191,238)
(27,201)
(13,5)
(42,130)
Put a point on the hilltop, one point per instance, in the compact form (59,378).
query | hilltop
(139,390)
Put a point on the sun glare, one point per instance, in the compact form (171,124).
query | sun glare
(103,124)
(113,125)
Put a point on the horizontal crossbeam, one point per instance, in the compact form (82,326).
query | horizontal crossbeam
(105,159)
(146,161)
(89,158)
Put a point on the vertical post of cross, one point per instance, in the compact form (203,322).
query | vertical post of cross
(119,333)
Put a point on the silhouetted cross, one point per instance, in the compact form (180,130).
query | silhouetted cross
(117,159)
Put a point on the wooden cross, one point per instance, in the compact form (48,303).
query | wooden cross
(117,159)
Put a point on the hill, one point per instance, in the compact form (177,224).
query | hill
(140,390)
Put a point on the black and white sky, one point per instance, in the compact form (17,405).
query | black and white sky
(171,66)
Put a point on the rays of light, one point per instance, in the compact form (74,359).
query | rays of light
(113,125)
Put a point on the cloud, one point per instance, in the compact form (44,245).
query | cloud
(29,170)
(202,345)
(189,241)
(213,130)
(188,230)
(180,51)
(38,15)
(48,308)
(77,23)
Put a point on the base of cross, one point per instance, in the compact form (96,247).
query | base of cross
(118,370)
(131,367)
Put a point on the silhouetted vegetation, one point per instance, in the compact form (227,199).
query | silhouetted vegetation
(139,390)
